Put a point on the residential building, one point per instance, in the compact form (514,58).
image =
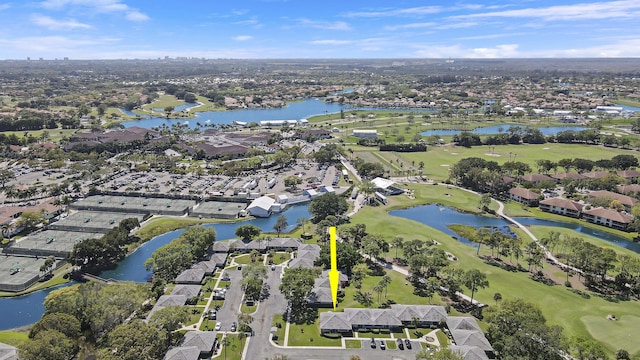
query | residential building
(608,217)
(524,196)
(561,206)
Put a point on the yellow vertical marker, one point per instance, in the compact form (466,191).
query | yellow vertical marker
(334,274)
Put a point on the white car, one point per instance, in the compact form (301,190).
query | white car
(218,327)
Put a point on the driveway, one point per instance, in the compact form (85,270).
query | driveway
(228,313)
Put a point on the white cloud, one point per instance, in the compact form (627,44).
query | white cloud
(415,11)
(331,42)
(457,25)
(53,24)
(61,45)
(99,6)
(583,11)
(410,26)
(325,25)
(5,6)
(242,38)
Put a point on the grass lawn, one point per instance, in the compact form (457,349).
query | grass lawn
(353,344)
(414,332)
(277,319)
(194,318)
(245,259)
(248,309)
(280,257)
(559,306)
(443,339)
(309,335)
(160,225)
(391,344)
(233,351)
(13,338)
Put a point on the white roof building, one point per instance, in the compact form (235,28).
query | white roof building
(261,207)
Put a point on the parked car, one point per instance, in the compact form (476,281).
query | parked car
(373,343)
(273,268)
(234,326)
(407,343)
(218,327)
(400,344)
(213,314)
(383,345)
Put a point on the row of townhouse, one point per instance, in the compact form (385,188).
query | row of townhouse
(465,332)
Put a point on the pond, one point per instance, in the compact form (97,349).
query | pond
(27,309)
(438,217)
(496,129)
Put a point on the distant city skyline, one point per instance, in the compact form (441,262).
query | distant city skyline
(253,29)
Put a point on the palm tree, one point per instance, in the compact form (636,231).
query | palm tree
(397,243)
(497,297)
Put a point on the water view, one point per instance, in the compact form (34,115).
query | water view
(502,128)
(293,111)
(438,217)
(27,309)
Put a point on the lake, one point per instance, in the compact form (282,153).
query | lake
(293,111)
(28,309)
(496,129)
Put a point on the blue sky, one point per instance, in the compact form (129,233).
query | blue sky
(110,29)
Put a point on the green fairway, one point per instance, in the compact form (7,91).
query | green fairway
(620,334)
(438,159)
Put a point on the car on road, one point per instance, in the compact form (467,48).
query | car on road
(400,344)
(383,345)
(218,327)
(234,326)
(407,343)
(273,268)
(373,343)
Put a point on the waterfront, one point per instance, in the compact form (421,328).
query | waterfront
(27,309)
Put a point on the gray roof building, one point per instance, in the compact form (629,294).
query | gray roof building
(190,276)
(183,353)
(203,340)
(188,290)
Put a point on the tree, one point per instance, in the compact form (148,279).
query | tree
(281,224)
(291,182)
(518,330)
(137,340)
(474,280)
(6,176)
(497,297)
(347,257)
(244,320)
(296,287)
(368,189)
(328,204)
(302,222)
(358,274)
(48,344)
(30,219)
(96,255)
(170,318)
(248,232)
(48,265)
(397,243)
(485,201)
(587,349)
(65,323)
(169,261)
(622,354)
(199,238)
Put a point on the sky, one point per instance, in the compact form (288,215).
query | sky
(148,29)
